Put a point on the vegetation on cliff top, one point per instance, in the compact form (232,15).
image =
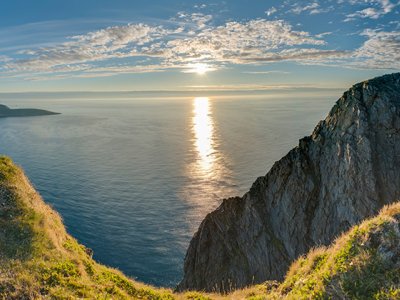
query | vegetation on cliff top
(363,263)
(38,259)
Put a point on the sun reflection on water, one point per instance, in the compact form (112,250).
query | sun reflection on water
(209,177)
(203,129)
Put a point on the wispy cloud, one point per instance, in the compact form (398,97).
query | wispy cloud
(236,42)
(271,11)
(376,9)
(198,19)
(380,51)
(309,55)
(4,58)
(112,42)
(311,8)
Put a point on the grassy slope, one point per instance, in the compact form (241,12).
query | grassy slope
(364,263)
(38,259)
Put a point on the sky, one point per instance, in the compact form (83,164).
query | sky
(176,45)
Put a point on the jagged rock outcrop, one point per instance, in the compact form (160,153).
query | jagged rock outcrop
(343,173)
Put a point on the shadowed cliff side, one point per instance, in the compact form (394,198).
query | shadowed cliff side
(344,172)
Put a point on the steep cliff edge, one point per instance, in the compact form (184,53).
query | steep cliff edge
(343,173)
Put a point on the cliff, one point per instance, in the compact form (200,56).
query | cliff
(343,173)
(39,260)
(6,112)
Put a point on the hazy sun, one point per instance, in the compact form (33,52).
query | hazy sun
(199,68)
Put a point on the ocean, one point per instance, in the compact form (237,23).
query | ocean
(134,177)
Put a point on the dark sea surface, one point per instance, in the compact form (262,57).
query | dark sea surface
(133,178)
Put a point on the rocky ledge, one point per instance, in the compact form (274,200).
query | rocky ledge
(343,173)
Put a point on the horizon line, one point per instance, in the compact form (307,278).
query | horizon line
(281,88)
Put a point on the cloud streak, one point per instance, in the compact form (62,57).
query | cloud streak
(312,8)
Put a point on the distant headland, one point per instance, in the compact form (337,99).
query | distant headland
(6,112)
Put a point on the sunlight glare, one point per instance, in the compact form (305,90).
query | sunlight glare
(199,68)
(210,178)
(203,131)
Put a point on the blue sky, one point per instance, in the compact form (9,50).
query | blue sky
(87,45)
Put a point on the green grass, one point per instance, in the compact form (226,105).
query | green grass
(39,260)
(363,263)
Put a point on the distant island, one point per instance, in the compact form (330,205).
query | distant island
(6,112)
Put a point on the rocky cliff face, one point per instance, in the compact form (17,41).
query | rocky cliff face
(344,172)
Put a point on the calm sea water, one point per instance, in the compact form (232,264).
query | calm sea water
(134,178)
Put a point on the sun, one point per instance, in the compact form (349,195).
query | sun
(199,68)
